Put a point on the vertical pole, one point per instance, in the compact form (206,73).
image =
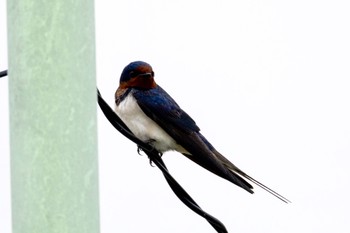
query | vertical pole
(52,95)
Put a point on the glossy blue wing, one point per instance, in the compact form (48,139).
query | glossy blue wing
(160,107)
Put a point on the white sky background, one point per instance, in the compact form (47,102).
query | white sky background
(268,83)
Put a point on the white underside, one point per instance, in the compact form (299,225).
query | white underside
(145,128)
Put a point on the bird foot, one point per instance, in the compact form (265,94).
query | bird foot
(149,142)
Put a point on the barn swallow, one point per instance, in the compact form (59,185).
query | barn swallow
(154,117)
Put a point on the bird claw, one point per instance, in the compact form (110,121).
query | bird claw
(149,142)
(139,149)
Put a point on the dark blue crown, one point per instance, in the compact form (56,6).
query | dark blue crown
(132,67)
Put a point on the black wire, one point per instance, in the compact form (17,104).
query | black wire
(155,157)
(3,73)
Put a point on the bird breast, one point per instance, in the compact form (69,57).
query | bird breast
(144,127)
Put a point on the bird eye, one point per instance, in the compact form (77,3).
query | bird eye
(152,74)
(132,74)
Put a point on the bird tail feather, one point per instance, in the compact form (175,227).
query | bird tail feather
(235,170)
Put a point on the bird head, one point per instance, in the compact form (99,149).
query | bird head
(139,75)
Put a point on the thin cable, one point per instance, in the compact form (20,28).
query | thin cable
(3,73)
(154,157)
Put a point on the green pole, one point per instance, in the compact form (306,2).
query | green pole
(52,95)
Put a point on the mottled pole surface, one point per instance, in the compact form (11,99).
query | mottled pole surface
(53,134)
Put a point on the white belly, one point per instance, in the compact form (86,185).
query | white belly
(145,128)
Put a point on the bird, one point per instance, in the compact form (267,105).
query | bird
(154,117)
